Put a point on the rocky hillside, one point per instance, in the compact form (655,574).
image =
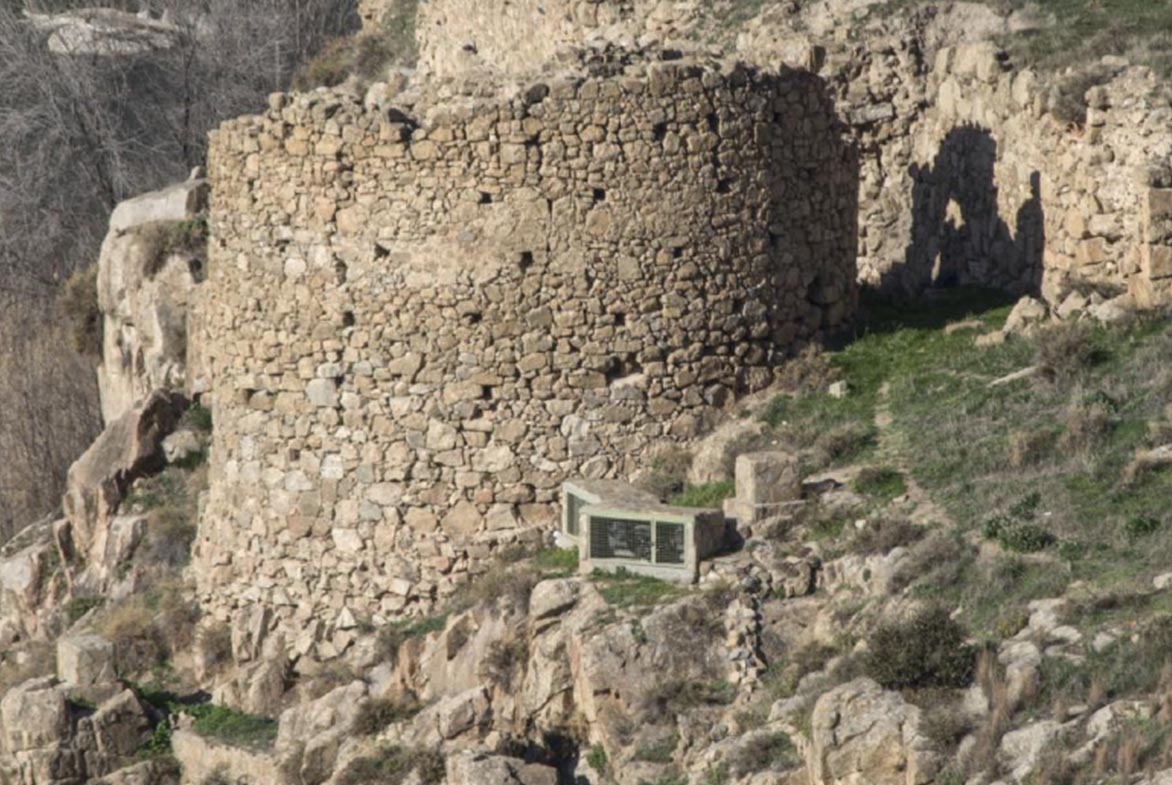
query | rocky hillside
(344,371)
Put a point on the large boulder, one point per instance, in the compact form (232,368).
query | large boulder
(34,715)
(471,768)
(865,735)
(85,660)
(128,449)
(147,277)
(311,735)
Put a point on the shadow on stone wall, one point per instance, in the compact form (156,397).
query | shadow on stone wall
(958,235)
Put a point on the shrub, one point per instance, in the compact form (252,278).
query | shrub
(763,752)
(885,535)
(505,659)
(881,482)
(597,760)
(393,765)
(843,443)
(1140,526)
(1066,351)
(80,606)
(927,650)
(1015,530)
(139,644)
(79,302)
(375,715)
(558,561)
(198,417)
(661,751)
(1030,447)
(674,696)
(1087,425)
(809,372)
(669,468)
(164,238)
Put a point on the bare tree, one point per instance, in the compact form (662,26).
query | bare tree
(81,132)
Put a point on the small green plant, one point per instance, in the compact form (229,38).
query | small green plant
(165,238)
(927,650)
(232,727)
(717,775)
(1140,526)
(711,495)
(597,760)
(199,417)
(160,743)
(80,606)
(661,751)
(1015,529)
(395,634)
(881,482)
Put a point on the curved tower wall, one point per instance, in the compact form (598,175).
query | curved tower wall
(414,333)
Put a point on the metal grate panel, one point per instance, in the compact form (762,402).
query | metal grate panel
(669,543)
(617,538)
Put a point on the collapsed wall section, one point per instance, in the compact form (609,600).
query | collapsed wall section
(414,330)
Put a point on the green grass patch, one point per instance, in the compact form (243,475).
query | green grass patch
(711,495)
(881,483)
(393,765)
(557,561)
(624,589)
(232,727)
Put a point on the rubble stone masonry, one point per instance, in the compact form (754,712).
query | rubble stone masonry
(417,324)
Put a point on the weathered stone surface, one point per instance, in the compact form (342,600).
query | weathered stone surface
(470,768)
(146,286)
(85,660)
(765,481)
(202,759)
(129,448)
(34,715)
(862,733)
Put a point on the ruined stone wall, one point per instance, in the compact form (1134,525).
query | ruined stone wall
(414,329)
(969,176)
(456,37)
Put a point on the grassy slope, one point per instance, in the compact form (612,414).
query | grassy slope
(951,432)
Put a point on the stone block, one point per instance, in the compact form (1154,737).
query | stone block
(765,481)
(85,660)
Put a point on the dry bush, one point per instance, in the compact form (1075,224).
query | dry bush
(507,659)
(215,644)
(376,715)
(885,535)
(809,372)
(668,474)
(79,303)
(842,443)
(1088,423)
(139,644)
(1066,351)
(1030,447)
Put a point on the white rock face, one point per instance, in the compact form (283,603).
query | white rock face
(865,734)
(145,290)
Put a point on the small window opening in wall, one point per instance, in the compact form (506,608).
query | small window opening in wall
(340,272)
(348,319)
(677,253)
(599,195)
(294,455)
(473,318)
(525,261)
(660,131)
(713,123)
(381,251)
(485,197)
(724,186)
(620,319)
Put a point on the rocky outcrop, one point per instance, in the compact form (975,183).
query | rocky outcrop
(129,448)
(149,267)
(104,32)
(864,735)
